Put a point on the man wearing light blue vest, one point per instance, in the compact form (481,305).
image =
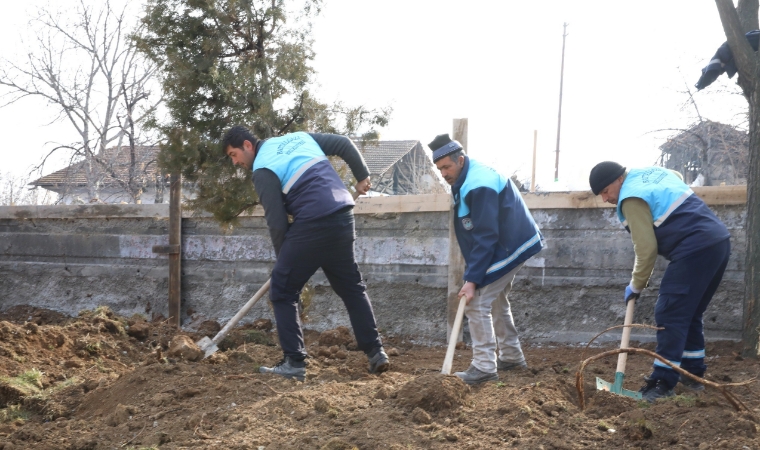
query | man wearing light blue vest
(293,176)
(496,234)
(664,217)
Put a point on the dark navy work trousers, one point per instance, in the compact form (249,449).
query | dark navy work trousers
(686,289)
(327,243)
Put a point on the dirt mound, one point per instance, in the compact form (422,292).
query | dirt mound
(22,313)
(434,392)
(604,404)
(340,336)
(99,381)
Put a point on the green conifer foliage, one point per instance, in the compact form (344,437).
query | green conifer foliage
(227,62)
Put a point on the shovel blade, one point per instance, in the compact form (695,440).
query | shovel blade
(617,387)
(207,346)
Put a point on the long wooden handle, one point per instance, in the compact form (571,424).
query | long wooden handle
(449,359)
(623,357)
(243,311)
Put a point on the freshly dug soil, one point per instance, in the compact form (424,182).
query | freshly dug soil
(100,381)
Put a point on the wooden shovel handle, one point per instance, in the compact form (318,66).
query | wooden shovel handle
(449,359)
(243,311)
(623,357)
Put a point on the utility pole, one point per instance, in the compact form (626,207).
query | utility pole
(533,172)
(559,115)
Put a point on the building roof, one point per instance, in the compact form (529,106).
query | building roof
(717,151)
(118,160)
(379,156)
(382,155)
(718,134)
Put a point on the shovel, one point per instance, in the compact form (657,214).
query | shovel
(617,386)
(209,346)
(446,369)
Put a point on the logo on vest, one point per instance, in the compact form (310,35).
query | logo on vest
(282,147)
(467,223)
(653,176)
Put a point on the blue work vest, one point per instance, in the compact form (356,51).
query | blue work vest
(500,203)
(660,188)
(682,222)
(310,186)
(289,156)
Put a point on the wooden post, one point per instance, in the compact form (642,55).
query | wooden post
(533,172)
(175,241)
(456,260)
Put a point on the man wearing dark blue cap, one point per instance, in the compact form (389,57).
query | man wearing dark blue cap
(665,217)
(497,235)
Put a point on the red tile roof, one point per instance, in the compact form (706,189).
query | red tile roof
(380,157)
(118,160)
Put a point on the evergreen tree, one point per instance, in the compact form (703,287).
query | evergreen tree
(227,62)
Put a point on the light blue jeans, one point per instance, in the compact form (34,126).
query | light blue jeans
(491,324)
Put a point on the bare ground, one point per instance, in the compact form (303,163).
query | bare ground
(103,382)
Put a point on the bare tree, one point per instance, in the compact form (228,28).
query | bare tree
(736,22)
(85,65)
(14,191)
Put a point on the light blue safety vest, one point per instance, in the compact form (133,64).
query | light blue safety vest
(517,236)
(660,188)
(289,156)
(479,175)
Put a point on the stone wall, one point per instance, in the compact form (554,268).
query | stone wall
(70,258)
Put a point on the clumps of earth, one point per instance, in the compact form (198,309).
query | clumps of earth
(101,381)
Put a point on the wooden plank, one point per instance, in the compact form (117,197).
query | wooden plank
(402,204)
(722,195)
(564,200)
(712,195)
(166,249)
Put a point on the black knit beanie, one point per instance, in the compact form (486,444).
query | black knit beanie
(603,174)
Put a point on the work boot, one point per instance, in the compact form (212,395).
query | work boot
(378,361)
(510,365)
(288,368)
(691,385)
(654,389)
(473,375)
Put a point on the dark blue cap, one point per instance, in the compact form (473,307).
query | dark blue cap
(442,146)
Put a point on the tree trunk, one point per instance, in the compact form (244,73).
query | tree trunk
(752,260)
(735,22)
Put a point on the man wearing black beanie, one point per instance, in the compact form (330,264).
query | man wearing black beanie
(496,234)
(664,217)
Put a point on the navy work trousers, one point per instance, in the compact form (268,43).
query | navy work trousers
(686,289)
(328,243)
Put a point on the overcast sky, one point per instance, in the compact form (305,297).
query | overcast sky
(497,63)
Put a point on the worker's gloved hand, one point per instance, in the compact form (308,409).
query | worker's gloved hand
(630,293)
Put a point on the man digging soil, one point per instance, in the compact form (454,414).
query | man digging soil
(664,217)
(293,176)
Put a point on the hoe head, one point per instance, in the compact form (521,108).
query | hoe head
(207,346)
(617,387)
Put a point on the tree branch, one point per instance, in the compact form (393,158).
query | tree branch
(745,57)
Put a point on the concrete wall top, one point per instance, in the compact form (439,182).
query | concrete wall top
(712,195)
